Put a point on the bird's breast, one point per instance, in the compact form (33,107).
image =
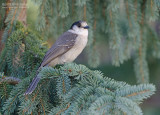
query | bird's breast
(71,55)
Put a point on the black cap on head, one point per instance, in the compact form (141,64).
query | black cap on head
(78,23)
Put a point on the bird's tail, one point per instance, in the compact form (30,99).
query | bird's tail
(33,85)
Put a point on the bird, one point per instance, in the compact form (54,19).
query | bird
(66,49)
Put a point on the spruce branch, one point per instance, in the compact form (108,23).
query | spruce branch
(91,93)
(137,93)
(127,106)
(10,80)
(72,88)
(122,22)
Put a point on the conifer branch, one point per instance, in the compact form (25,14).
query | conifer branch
(12,20)
(74,88)
(10,80)
(84,12)
(127,10)
(42,106)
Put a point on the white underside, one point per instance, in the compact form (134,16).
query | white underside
(72,54)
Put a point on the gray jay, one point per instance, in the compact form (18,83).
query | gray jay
(66,49)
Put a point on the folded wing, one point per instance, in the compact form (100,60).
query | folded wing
(64,43)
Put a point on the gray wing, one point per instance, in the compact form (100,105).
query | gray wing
(64,43)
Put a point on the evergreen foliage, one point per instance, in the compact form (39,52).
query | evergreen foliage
(22,53)
(126,28)
(79,90)
(2,12)
(125,23)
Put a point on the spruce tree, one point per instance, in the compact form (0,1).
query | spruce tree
(124,25)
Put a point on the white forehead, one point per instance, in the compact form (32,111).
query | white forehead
(83,24)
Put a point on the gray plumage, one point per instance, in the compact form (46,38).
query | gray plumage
(66,49)
(64,43)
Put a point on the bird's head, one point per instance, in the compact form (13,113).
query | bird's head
(80,27)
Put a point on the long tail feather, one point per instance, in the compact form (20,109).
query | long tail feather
(33,85)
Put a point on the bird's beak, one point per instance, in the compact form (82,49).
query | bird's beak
(86,27)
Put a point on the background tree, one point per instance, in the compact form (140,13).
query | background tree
(125,28)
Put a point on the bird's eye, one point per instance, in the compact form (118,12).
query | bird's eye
(79,25)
